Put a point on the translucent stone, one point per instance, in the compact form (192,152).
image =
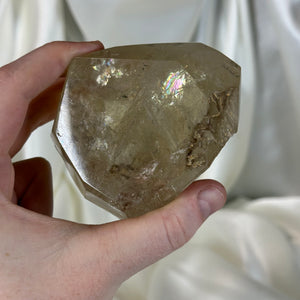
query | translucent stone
(137,124)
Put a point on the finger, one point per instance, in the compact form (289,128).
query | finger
(27,77)
(33,185)
(41,110)
(137,243)
(37,70)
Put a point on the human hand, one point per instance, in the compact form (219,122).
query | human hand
(46,258)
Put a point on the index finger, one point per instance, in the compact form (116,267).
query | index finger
(27,77)
(37,70)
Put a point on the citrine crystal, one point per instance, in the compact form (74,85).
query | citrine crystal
(137,124)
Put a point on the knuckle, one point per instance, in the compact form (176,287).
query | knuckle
(54,44)
(60,46)
(175,231)
(57,53)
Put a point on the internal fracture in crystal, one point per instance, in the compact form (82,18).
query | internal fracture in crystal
(137,124)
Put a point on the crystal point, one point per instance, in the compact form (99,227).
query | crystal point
(137,124)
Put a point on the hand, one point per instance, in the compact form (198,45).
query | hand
(46,258)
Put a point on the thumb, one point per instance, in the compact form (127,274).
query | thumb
(141,241)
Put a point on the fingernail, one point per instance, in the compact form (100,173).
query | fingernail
(210,200)
(98,44)
(92,46)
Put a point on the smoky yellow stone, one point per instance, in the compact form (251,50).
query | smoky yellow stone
(137,124)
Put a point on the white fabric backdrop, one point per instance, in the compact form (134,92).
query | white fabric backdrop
(249,250)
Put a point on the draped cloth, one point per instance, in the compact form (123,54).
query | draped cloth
(251,248)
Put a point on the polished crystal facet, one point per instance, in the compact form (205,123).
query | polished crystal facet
(137,124)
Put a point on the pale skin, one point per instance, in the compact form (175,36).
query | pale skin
(46,258)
